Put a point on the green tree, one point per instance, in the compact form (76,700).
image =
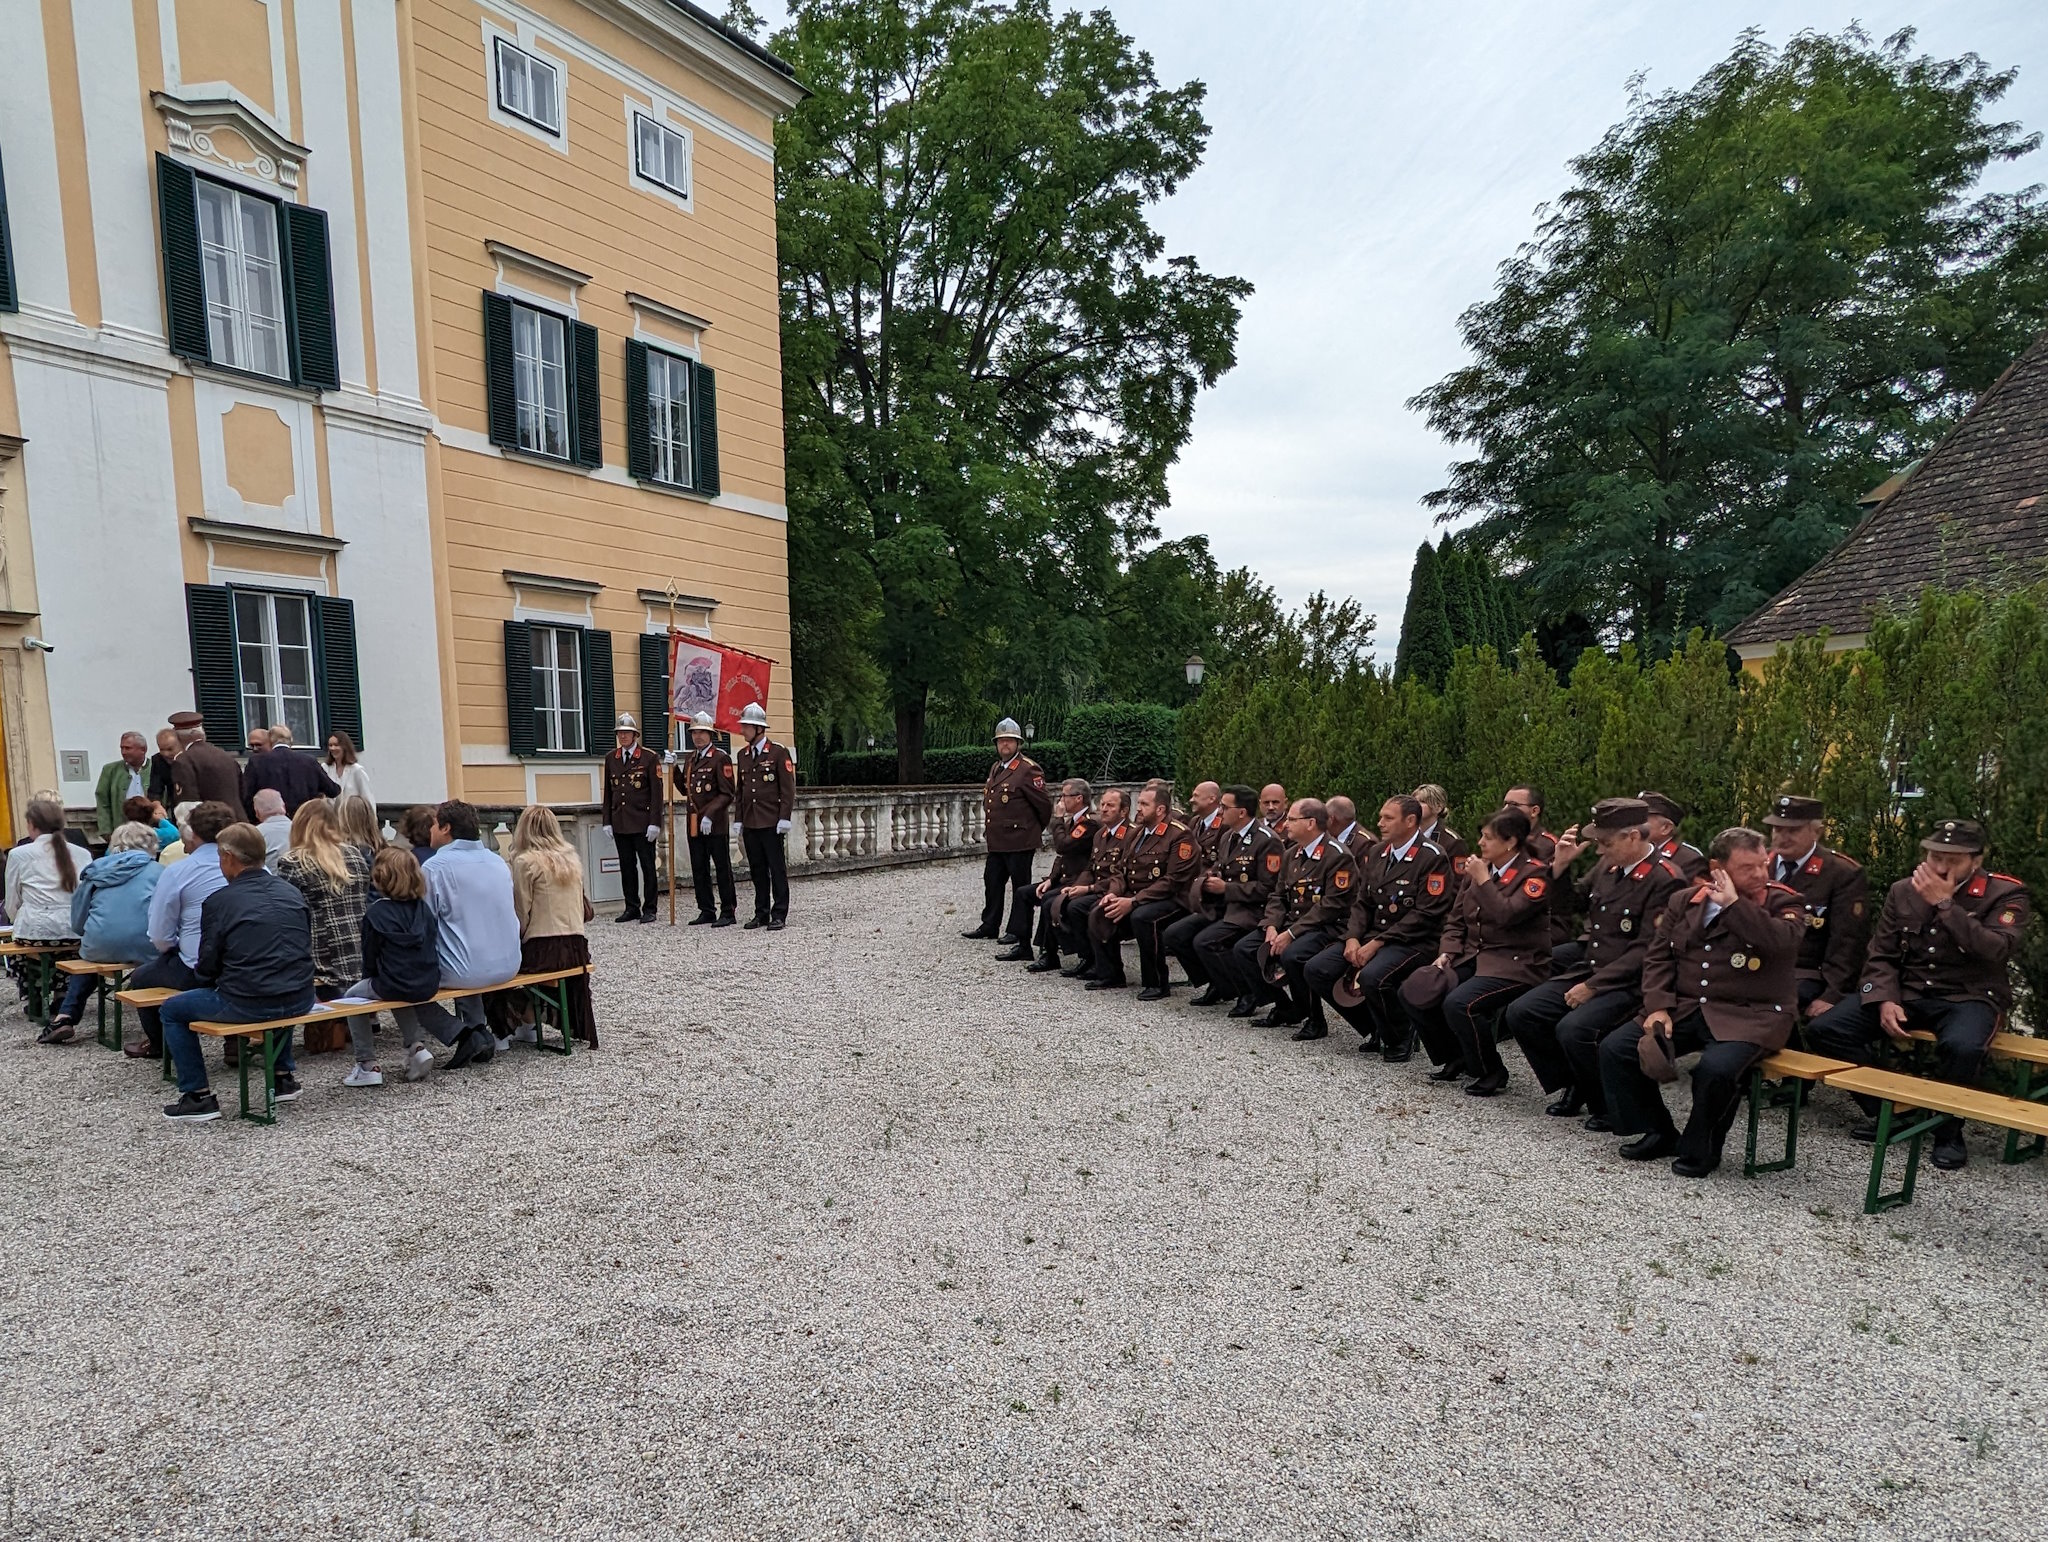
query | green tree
(1759,296)
(1426,641)
(989,360)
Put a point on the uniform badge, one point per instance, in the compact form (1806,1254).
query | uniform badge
(1272,861)
(1755,962)
(1534,887)
(1816,922)
(1738,960)
(1006,795)
(1080,828)
(1341,879)
(1627,925)
(1978,885)
(2007,917)
(1812,866)
(1186,849)
(1435,884)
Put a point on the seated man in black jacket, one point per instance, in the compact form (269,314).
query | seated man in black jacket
(255,963)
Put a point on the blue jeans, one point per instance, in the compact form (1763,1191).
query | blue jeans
(210,1006)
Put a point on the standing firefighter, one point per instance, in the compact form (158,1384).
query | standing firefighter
(765,792)
(705,779)
(1015,811)
(632,815)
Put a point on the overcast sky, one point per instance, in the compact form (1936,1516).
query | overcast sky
(1369,166)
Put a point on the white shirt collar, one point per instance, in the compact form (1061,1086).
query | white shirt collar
(1343,836)
(1315,845)
(1401,851)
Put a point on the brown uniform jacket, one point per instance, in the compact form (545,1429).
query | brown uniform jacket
(1072,841)
(1361,844)
(1624,908)
(1106,856)
(1502,926)
(705,779)
(1736,971)
(1159,862)
(1957,953)
(1249,863)
(1403,900)
(764,784)
(1316,880)
(1836,894)
(1690,859)
(1453,844)
(1015,805)
(632,790)
(206,773)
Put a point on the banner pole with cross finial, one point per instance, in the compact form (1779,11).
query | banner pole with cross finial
(668,783)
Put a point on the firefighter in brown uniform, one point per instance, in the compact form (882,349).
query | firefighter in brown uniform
(1401,898)
(1836,893)
(1015,811)
(1073,838)
(704,776)
(764,793)
(1340,814)
(1718,978)
(1146,896)
(1598,986)
(1113,831)
(1305,912)
(1228,897)
(1495,945)
(632,816)
(1938,961)
(1664,816)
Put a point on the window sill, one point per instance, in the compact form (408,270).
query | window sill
(538,458)
(206,369)
(656,485)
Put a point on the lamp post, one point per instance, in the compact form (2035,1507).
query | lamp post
(1030,732)
(1195,670)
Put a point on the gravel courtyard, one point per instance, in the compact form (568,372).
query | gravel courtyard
(851,1231)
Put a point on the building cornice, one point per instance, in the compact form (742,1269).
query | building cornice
(264,536)
(683,601)
(667,312)
(553,583)
(509,256)
(683,36)
(190,122)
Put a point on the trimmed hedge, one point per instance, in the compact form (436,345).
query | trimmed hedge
(877,768)
(1122,741)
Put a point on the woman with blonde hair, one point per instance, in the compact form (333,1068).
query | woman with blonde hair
(547,896)
(356,820)
(334,876)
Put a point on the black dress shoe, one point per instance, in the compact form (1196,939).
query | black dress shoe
(1949,1151)
(1016,955)
(1211,997)
(1013,942)
(1309,1031)
(1491,1085)
(1154,993)
(465,1050)
(1565,1104)
(1108,985)
(1078,972)
(1244,1007)
(1693,1167)
(777,924)
(624,916)
(705,918)
(1397,1052)
(1044,965)
(1453,1072)
(1864,1130)
(980,934)
(1647,1148)
(1276,1019)
(648,917)
(757,922)
(727,921)
(1599,1124)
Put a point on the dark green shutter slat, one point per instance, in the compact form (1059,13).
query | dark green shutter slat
(309,300)
(216,675)
(600,704)
(654,689)
(498,386)
(704,430)
(341,689)
(184,279)
(583,411)
(521,732)
(639,441)
(10,298)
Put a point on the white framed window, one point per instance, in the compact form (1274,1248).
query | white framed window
(529,87)
(661,155)
(540,382)
(557,689)
(244,281)
(668,416)
(274,652)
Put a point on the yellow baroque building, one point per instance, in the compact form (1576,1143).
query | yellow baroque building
(385,366)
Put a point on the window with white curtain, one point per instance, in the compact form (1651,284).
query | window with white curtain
(668,416)
(540,382)
(244,282)
(529,87)
(557,688)
(274,650)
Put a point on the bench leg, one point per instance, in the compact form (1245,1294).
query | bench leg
(272,1045)
(557,1001)
(32,977)
(1913,1131)
(1790,1095)
(2018,1149)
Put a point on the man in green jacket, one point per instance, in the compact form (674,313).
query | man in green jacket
(121,780)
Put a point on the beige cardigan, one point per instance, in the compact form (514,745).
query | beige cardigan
(544,909)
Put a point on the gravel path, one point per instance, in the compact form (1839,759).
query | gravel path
(853,1232)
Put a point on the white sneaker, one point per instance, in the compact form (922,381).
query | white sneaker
(500,1045)
(524,1035)
(418,1063)
(363,1076)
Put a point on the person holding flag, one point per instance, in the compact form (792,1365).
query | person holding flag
(705,779)
(764,773)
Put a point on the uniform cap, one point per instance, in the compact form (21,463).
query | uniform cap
(1669,808)
(626,725)
(1347,992)
(1963,835)
(1791,810)
(703,720)
(752,715)
(1271,969)
(1620,814)
(188,719)
(1008,729)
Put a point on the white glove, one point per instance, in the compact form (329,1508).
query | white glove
(653,832)
(607,832)
(704,825)
(782,827)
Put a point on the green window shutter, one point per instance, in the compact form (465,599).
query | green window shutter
(309,296)
(654,689)
(10,299)
(498,387)
(704,430)
(639,443)
(600,704)
(585,420)
(184,280)
(521,732)
(216,678)
(341,689)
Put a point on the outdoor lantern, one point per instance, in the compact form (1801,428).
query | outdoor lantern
(1030,730)
(1195,668)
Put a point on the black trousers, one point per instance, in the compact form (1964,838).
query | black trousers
(767,862)
(1215,945)
(1459,1026)
(636,860)
(1244,959)
(1298,1002)
(709,853)
(1149,924)
(1563,1043)
(1006,874)
(1380,1012)
(1046,937)
(1962,1033)
(168,971)
(1074,919)
(1180,943)
(1636,1103)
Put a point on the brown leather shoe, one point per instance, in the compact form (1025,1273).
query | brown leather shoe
(138,1049)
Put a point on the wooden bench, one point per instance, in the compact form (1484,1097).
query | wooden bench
(2022,1054)
(1919,1106)
(1780,1080)
(549,988)
(152,996)
(41,975)
(108,981)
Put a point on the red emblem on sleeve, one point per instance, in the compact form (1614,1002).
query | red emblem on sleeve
(1186,849)
(1812,866)
(1341,879)
(1534,888)
(1272,861)
(1435,884)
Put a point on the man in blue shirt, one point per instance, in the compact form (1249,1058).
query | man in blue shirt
(174,920)
(469,891)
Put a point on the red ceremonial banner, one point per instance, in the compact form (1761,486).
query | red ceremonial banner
(710,677)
